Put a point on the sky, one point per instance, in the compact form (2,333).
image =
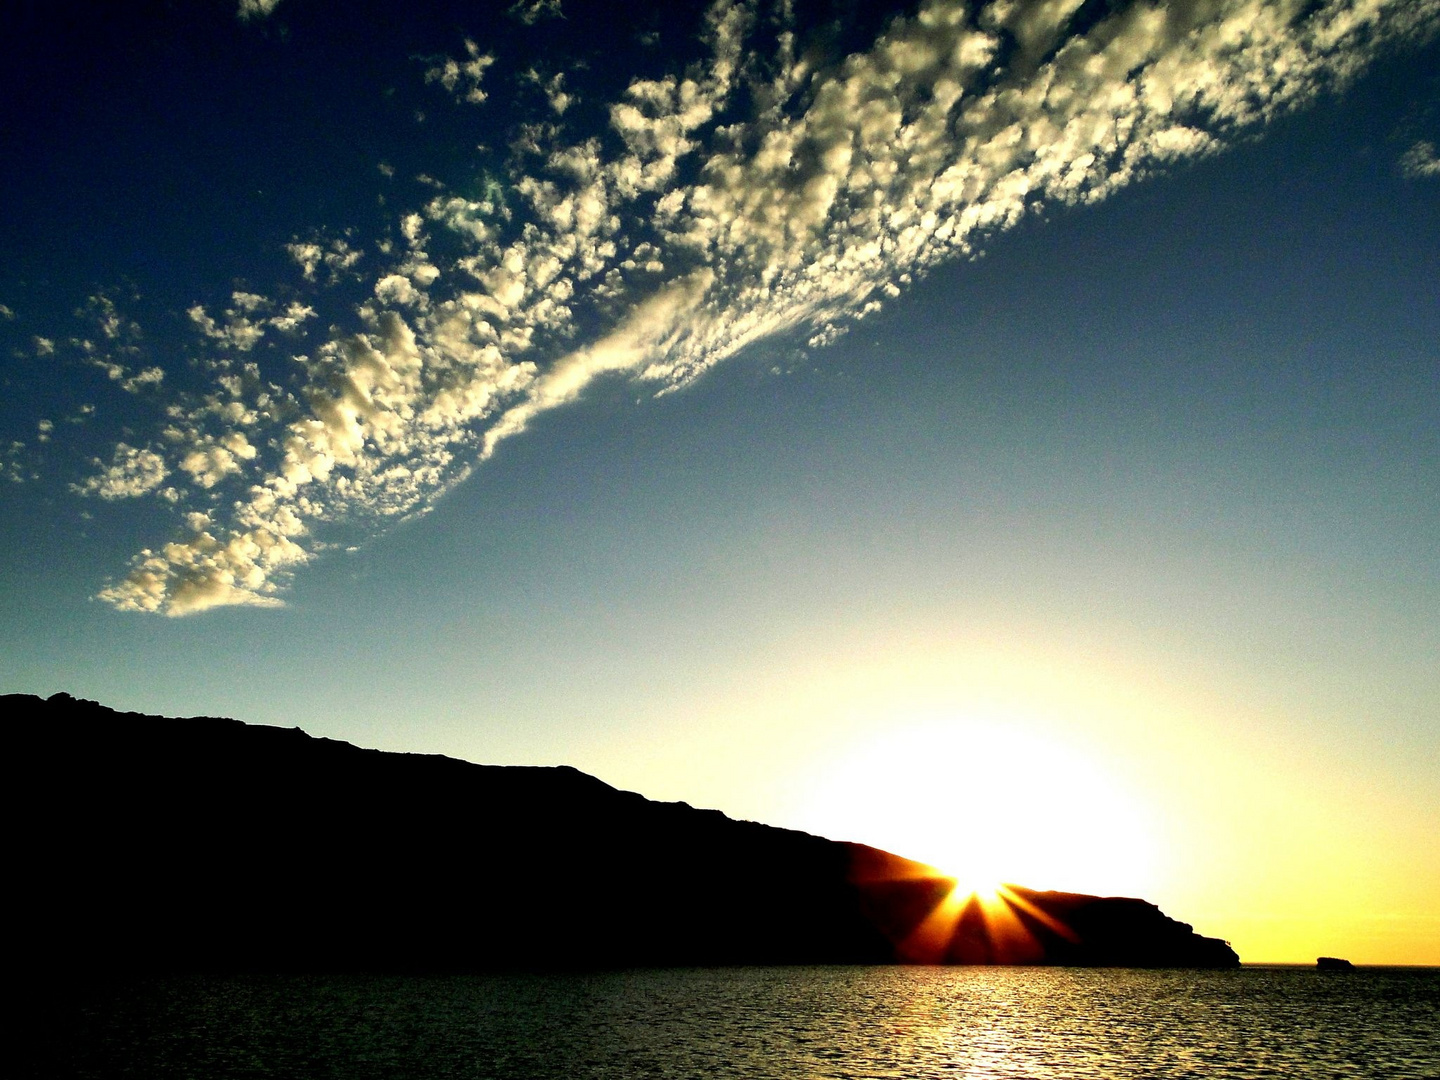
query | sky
(1005,434)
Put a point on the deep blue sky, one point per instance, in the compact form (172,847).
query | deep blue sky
(1147,479)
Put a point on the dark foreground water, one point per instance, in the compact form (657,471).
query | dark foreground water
(837,1022)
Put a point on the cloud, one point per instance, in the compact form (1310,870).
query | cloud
(700,222)
(650,331)
(245,322)
(131,383)
(398,289)
(256,9)
(462,77)
(131,472)
(553,88)
(529,12)
(12,463)
(203,572)
(335,255)
(210,460)
(1420,161)
(292,317)
(116,343)
(113,328)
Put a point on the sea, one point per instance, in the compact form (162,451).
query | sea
(760,1023)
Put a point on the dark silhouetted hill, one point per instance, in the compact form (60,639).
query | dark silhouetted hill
(147,842)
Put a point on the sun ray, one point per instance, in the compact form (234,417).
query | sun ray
(936,918)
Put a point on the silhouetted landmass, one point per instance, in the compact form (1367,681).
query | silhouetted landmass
(188,844)
(1333,963)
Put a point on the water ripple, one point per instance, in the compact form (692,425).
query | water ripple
(816,1023)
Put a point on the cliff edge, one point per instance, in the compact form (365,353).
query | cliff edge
(207,844)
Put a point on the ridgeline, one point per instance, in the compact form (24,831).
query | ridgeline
(144,842)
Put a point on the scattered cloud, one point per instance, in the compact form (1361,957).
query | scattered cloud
(237,329)
(1420,161)
(335,255)
(131,472)
(6,314)
(554,89)
(109,322)
(13,465)
(210,460)
(204,573)
(529,12)
(701,221)
(245,322)
(131,383)
(462,77)
(114,347)
(292,317)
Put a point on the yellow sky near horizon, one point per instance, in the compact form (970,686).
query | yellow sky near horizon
(993,761)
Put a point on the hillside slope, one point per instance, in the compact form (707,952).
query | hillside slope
(204,843)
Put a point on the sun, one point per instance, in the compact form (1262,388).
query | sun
(988,803)
(986,926)
(973,880)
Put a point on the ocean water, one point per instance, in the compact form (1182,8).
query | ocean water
(802,1022)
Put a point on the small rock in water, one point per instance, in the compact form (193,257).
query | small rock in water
(1333,963)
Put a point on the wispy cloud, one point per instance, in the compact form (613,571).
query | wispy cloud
(114,345)
(693,229)
(1420,161)
(13,465)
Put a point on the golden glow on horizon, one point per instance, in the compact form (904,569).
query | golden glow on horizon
(1286,845)
(984,890)
(988,803)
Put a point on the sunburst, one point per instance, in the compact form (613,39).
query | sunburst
(934,918)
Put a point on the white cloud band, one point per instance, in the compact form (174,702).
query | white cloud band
(701,234)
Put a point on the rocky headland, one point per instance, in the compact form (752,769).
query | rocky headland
(208,844)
